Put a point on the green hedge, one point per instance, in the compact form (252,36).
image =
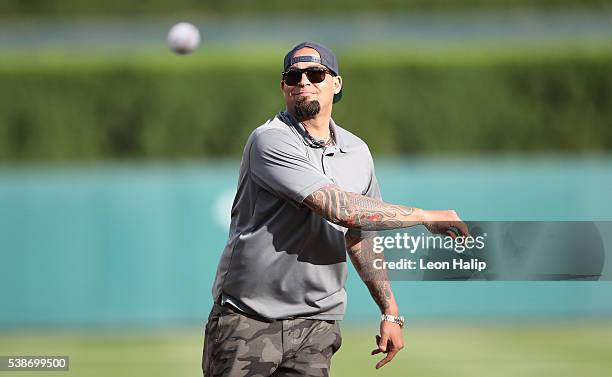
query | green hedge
(65,8)
(174,108)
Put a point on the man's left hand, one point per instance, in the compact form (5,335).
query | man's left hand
(389,341)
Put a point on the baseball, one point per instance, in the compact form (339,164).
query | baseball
(183,38)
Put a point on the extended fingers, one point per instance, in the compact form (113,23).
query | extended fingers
(387,358)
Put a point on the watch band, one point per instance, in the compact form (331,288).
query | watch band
(392,318)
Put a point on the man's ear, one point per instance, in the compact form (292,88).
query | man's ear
(337,84)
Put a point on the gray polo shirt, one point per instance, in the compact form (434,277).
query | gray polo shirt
(282,260)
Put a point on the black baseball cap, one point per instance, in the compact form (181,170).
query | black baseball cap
(326,57)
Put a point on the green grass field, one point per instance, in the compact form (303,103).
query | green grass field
(538,349)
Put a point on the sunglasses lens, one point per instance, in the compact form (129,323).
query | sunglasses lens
(315,75)
(293,76)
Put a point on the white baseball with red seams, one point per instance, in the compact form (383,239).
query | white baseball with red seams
(183,38)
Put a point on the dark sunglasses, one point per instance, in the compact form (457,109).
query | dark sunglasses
(315,75)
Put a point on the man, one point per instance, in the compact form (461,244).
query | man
(307,195)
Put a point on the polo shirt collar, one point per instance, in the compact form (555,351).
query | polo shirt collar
(290,120)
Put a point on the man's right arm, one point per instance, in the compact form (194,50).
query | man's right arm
(352,210)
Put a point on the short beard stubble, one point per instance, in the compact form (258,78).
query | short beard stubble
(305,110)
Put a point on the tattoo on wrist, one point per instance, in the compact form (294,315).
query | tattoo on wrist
(383,294)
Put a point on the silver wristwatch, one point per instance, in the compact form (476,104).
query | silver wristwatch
(392,318)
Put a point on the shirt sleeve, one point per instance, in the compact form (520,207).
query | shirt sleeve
(278,165)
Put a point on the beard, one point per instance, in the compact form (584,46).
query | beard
(305,110)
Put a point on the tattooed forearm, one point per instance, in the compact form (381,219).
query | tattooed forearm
(382,293)
(376,280)
(352,210)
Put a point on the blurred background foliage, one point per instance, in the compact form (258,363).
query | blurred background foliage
(167,108)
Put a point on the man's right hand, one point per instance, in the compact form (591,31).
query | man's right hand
(444,222)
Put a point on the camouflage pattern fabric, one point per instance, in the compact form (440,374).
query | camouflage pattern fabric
(238,345)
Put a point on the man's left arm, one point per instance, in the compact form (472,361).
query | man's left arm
(390,340)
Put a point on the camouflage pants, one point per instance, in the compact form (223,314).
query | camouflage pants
(239,346)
